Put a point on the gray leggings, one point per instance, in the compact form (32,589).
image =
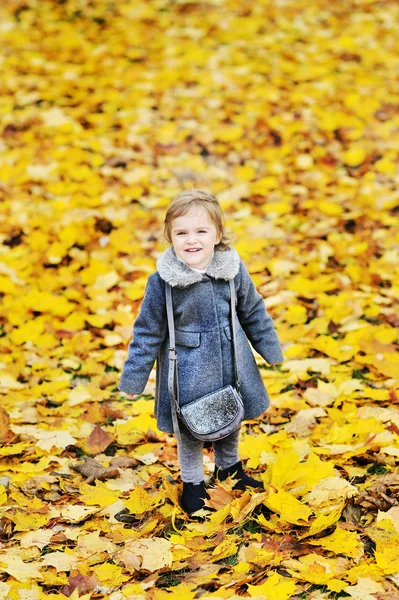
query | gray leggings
(191,460)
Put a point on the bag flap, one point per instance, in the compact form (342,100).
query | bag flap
(213,412)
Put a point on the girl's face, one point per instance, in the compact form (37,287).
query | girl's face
(194,237)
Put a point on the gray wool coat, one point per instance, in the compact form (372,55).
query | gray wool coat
(201,306)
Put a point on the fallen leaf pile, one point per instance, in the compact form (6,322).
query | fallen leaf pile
(289,112)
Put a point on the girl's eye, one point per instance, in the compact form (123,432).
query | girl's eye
(201,231)
(181,233)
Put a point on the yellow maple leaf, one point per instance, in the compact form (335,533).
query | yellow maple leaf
(143,423)
(98,320)
(110,574)
(300,366)
(288,507)
(183,591)
(78,395)
(17,568)
(96,267)
(98,495)
(263,186)
(324,521)
(336,585)
(330,208)
(296,313)
(354,156)
(140,501)
(335,348)
(254,554)
(91,543)
(341,542)
(387,546)
(74,321)
(226,548)
(276,587)
(135,591)
(28,331)
(390,515)
(384,165)
(322,283)
(56,305)
(329,490)
(245,173)
(76,513)
(313,470)
(26,521)
(314,568)
(228,133)
(105,281)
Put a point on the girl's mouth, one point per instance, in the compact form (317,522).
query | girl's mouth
(193,249)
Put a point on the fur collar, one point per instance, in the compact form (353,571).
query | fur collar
(224,265)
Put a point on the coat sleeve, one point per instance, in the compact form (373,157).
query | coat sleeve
(255,320)
(149,331)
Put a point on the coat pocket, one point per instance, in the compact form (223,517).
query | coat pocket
(190,339)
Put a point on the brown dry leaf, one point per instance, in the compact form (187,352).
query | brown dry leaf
(38,484)
(92,470)
(5,433)
(219,496)
(124,462)
(152,436)
(380,494)
(111,412)
(81,583)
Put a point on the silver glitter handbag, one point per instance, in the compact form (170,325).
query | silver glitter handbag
(215,415)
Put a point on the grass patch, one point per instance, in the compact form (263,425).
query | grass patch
(171,578)
(377,469)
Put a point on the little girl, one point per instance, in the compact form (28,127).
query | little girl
(198,266)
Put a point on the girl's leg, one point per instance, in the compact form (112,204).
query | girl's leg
(191,460)
(228,463)
(191,463)
(226,451)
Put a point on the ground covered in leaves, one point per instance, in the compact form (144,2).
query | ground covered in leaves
(289,111)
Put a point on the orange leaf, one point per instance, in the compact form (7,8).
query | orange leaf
(98,441)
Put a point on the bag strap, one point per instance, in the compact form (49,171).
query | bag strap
(233,330)
(173,382)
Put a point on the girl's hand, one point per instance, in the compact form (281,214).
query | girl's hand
(131,396)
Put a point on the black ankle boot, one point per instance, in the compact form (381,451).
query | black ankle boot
(237,472)
(192,498)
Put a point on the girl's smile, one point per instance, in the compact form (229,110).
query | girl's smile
(194,237)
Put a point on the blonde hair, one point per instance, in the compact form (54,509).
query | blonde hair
(182,203)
